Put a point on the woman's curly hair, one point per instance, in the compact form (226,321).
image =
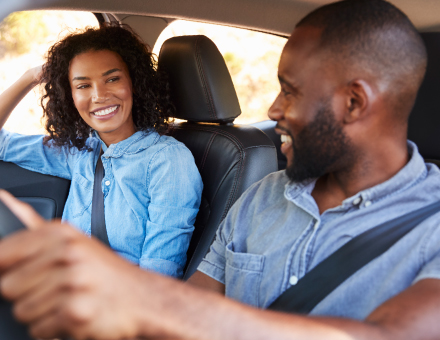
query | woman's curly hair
(152,106)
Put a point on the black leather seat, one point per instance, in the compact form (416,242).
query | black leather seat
(230,157)
(424,121)
(268,127)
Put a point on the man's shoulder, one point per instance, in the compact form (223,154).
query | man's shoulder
(270,187)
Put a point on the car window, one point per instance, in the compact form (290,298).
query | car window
(252,59)
(24,39)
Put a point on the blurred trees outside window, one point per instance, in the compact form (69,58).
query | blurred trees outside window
(25,38)
(251,57)
(21,30)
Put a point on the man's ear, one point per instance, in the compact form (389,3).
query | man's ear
(359,97)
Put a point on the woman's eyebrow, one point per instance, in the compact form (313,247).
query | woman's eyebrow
(80,78)
(110,71)
(106,73)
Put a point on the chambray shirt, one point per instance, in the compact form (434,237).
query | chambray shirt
(152,191)
(274,235)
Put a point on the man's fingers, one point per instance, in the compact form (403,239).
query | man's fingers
(27,245)
(31,273)
(48,327)
(23,211)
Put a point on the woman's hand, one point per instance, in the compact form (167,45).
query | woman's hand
(10,98)
(36,73)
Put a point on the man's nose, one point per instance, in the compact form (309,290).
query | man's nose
(275,111)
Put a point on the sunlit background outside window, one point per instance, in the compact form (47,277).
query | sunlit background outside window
(252,59)
(25,38)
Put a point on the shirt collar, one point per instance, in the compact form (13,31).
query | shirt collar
(410,174)
(137,142)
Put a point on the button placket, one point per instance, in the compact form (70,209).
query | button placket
(293,280)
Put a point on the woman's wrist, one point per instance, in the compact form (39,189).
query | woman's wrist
(33,76)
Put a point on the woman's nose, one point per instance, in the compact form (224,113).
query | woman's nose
(99,94)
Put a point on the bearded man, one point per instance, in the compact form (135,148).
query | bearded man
(349,76)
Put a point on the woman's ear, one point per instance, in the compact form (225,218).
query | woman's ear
(359,96)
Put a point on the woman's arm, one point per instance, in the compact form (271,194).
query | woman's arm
(175,187)
(10,98)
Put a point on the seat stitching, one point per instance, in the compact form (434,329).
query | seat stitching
(221,132)
(211,139)
(240,148)
(206,89)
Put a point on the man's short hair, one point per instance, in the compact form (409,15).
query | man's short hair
(375,36)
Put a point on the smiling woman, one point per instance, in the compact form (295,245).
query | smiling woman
(103,95)
(105,102)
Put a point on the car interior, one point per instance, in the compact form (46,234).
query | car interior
(229,157)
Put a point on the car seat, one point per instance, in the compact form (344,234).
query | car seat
(424,121)
(229,157)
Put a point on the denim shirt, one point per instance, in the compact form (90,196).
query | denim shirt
(274,235)
(152,191)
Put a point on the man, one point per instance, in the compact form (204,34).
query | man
(349,76)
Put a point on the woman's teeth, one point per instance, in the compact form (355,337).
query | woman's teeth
(286,139)
(105,112)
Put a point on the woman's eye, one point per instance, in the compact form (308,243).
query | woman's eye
(111,80)
(82,86)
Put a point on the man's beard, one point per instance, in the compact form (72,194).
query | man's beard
(319,147)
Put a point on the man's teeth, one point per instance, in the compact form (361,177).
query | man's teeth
(286,139)
(105,112)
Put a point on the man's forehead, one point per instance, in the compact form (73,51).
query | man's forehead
(301,46)
(305,37)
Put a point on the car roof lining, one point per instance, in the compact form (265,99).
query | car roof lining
(280,20)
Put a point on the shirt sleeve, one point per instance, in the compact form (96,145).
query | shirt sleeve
(175,187)
(430,252)
(29,152)
(214,263)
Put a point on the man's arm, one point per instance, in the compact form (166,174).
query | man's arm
(200,280)
(63,283)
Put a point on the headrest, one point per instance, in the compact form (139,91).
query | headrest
(424,121)
(200,83)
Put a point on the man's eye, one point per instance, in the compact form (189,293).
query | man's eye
(285,92)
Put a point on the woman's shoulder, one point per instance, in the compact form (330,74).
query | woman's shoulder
(165,143)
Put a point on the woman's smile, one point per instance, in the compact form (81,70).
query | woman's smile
(106,112)
(102,94)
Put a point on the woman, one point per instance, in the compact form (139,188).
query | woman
(102,91)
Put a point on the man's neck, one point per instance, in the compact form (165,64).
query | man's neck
(333,188)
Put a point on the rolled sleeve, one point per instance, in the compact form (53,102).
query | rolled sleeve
(165,267)
(4,140)
(214,262)
(430,254)
(175,187)
(29,152)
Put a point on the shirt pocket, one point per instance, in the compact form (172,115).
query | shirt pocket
(243,274)
(80,196)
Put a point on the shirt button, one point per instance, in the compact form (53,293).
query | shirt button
(293,280)
(107,183)
(367,204)
(357,200)
(316,225)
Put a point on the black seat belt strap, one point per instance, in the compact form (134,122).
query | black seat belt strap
(344,262)
(98,218)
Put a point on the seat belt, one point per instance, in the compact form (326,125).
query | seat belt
(98,218)
(313,287)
